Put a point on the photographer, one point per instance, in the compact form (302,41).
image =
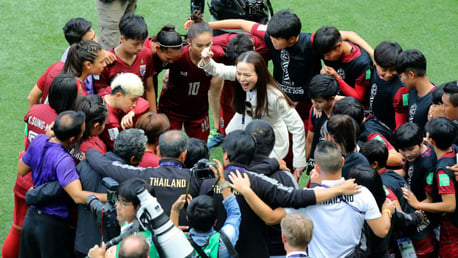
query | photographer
(169,180)
(128,149)
(201,215)
(126,209)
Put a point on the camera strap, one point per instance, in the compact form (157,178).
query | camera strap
(226,241)
(198,249)
(228,244)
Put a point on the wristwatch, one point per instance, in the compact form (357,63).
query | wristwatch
(224,186)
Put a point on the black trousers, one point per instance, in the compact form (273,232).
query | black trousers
(44,235)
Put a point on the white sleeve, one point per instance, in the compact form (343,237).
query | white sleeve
(295,126)
(225,72)
(372,211)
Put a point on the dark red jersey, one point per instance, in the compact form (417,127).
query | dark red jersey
(142,66)
(38,119)
(150,159)
(44,83)
(185,96)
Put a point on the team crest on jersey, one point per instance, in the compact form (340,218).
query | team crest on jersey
(142,70)
(341,73)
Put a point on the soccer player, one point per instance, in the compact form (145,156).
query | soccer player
(386,87)
(411,66)
(419,160)
(322,90)
(166,46)
(131,57)
(126,90)
(185,97)
(347,62)
(450,100)
(84,58)
(441,186)
(294,60)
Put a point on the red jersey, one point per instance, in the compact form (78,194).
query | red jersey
(185,97)
(113,125)
(142,66)
(150,159)
(39,117)
(259,44)
(79,154)
(44,83)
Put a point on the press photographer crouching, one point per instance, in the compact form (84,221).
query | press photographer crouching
(136,201)
(129,148)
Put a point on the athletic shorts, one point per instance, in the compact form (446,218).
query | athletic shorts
(199,129)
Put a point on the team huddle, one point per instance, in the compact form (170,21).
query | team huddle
(364,129)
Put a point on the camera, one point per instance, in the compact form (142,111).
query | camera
(201,170)
(106,213)
(171,240)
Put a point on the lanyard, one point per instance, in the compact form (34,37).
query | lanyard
(175,164)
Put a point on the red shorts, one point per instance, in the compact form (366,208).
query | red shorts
(303,108)
(199,129)
(448,244)
(426,246)
(226,112)
(20,210)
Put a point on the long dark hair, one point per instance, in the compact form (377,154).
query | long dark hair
(95,110)
(265,80)
(368,177)
(86,50)
(63,92)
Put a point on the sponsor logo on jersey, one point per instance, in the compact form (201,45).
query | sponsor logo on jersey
(183,73)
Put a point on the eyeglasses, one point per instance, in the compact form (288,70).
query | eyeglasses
(249,108)
(123,204)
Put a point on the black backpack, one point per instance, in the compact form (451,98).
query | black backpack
(254,10)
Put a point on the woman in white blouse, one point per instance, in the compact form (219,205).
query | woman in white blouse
(259,97)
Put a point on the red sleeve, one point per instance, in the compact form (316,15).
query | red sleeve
(101,80)
(429,183)
(444,183)
(390,194)
(41,82)
(259,30)
(141,106)
(81,87)
(379,137)
(361,85)
(400,105)
(311,128)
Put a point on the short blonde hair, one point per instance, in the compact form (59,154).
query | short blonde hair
(129,83)
(297,229)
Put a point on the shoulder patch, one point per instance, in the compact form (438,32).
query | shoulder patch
(444,180)
(368,74)
(429,178)
(386,190)
(405,99)
(379,138)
